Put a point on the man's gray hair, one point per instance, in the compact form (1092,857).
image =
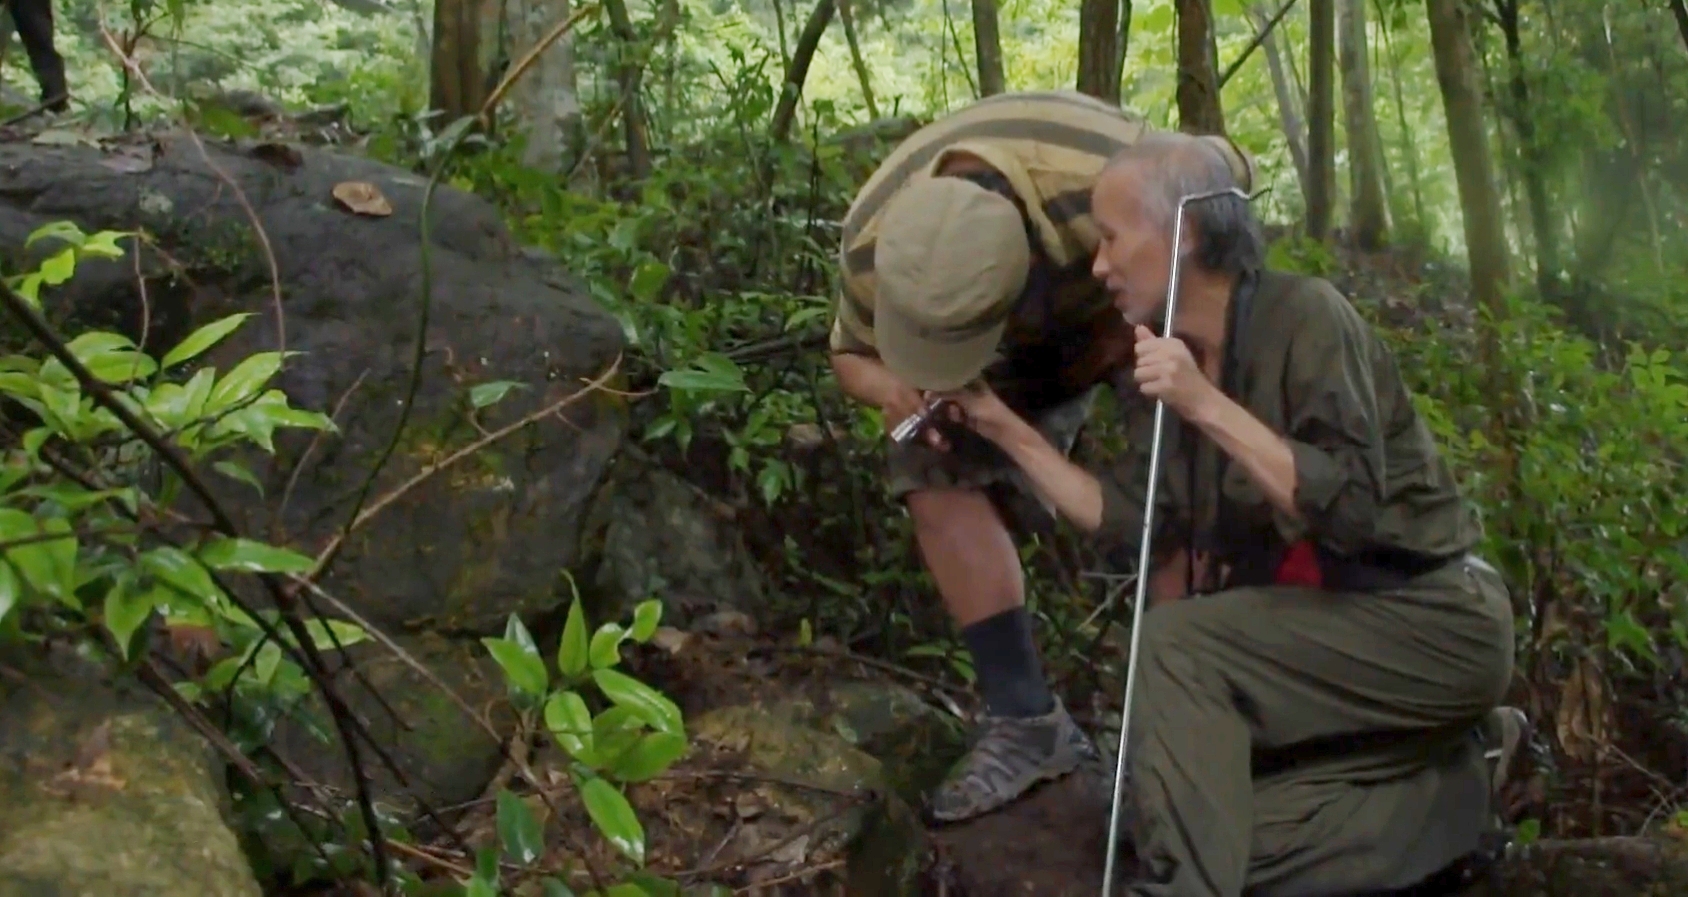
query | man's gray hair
(1228,238)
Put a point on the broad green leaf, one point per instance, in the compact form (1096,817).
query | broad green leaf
(347,634)
(47,565)
(246,555)
(520,832)
(524,670)
(11,591)
(477,886)
(178,568)
(484,394)
(104,244)
(56,230)
(1156,20)
(204,338)
(645,619)
(698,380)
(614,818)
(651,705)
(237,472)
(555,888)
(606,645)
(649,757)
(518,633)
(570,722)
(574,651)
(245,381)
(647,281)
(126,608)
(657,886)
(614,732)
(59,267)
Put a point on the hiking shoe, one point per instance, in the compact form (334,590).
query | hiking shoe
(1008,758)
(1504,730)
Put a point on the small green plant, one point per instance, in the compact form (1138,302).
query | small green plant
(615,729)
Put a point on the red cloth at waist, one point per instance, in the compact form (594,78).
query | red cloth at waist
(1300,567)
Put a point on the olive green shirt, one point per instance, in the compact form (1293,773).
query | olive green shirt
(1369,476)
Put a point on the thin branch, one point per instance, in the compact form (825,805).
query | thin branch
(1259,38)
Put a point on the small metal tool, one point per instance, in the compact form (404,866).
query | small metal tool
(914,423)
(1148,528)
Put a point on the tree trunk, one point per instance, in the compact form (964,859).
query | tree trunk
(1321,142)
(1289,105)
(1124,39)
(803,54)
(1099,36)
(987,45)
(1531,152)
(545,97)
(1680,9)
(1199,110)
(847,18)
(1409,144)
(630,77)
(456,76)
(1462,102)
(1368,210)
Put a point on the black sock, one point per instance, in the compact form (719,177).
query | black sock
(1006,664)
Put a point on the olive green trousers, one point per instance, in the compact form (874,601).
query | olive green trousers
(1229,677)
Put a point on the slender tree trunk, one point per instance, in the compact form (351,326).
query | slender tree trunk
(1199,110)
(1321,142)
(801,55)
(1368,210)
(630,75)
(1680,9)
(1415,182)
(1531,152)
(987,45)
(545,98)
(848,20)
(1289,105)
(456,77)
(1124,39)
(1462,101)
(1099,36)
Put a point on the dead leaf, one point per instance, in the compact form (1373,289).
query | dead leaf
(91,765)
(1581,722)
(283,156)
(670,639)
(362,197)
(793,852)
(60,137)
(748,805)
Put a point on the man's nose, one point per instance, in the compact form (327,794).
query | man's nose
(1099,265)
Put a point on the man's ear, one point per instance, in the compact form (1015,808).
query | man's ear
(1191,242)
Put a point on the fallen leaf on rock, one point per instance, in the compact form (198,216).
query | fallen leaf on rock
(129,160)
(362,197)
(670,639)
(60,137)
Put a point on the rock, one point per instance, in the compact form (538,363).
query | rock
(656,536)
(465,548)
(104,791)
(915,742)
(1051,843)
(446,757)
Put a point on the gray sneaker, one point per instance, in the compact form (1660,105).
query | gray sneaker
(1007,759)
(1504,729)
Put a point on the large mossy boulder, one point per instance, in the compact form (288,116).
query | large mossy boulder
(103,791)
(462,549)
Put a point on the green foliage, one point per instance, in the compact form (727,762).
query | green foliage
(616,730)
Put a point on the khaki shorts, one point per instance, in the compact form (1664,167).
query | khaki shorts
(974,462)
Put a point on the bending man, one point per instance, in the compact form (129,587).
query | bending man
(1344,607)
(967,253)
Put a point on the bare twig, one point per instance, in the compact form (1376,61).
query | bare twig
(1259,38)
(316,439)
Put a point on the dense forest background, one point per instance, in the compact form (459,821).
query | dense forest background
(1500,185)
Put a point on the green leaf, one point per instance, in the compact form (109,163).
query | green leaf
(651,705)
(10,589)
(56,230)
(236,472)
(711,373)
(244,381)
(523,838)
(574,652)
(524,670)
(204,338)
(614,818)
(516,632)
(176,567)
(647,281)
(606,646)
(655,885)
(570,723)
(59,267)
(246,555)
(555,888)
(649,757)
(347,634)
(1156,20)
(645,619)
(484,394)
(477,886)
(126,608)
(46,565)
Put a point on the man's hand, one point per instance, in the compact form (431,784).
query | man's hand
(1166,370)
(907,401)
(981,409)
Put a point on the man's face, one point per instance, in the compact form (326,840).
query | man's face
(1135,252)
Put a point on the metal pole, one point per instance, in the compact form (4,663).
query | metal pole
(1148,528)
